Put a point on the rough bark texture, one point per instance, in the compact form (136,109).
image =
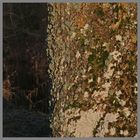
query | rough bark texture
(93,69)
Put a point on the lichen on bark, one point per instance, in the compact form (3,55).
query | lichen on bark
(93,47)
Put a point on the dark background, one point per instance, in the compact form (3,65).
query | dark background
(26,81)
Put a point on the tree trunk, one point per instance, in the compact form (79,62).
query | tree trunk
(93,69)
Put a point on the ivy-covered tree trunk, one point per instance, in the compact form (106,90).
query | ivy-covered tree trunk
(93,69)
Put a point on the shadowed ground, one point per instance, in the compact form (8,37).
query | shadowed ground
(18,122)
